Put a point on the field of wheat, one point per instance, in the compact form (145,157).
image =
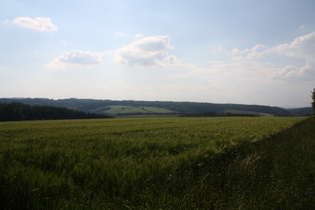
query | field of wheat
(124,163)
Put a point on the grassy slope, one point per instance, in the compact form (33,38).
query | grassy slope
(118,109)
(275,172)
(98,106)
(306,111)
(234,111)
(158,110)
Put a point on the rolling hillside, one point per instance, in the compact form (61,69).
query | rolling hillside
(127,110)
(18,112)
(151,107)
(301,112)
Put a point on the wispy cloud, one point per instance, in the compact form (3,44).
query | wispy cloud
(290,72)
(138,36)
(76,58)
(120,34)
(302,47)
(302,27)
(246,72)
(249,53)
(2,68)
(39,23)
(149,51)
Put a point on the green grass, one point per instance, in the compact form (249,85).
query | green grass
(277,172)
(166,163)
(234,111)
(118,109)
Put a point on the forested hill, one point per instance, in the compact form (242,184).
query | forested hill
(18,111)
(106,106)
(301,112)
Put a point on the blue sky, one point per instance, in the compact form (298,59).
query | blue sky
(245,51)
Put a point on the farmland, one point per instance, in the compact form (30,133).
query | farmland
(155,163)
(118,109)
(232,111)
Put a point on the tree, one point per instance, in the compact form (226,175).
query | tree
(313,103)
(17,111)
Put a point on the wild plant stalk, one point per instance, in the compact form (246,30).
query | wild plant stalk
(313,103)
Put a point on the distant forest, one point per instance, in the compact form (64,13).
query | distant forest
(18,111)
(181,108)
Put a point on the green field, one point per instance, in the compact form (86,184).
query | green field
(119,109)
(234,111)
(154,163)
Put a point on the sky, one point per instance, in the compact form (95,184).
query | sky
(232,51)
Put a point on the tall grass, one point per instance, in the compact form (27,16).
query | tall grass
(277,172)
(154,163)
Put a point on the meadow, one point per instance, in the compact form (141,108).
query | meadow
(158,163)
(119,109)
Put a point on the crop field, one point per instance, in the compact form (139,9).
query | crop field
(131,163)
(233,111)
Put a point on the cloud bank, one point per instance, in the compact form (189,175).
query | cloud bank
(149,51)
(39,23)
(76,58)
(302,47)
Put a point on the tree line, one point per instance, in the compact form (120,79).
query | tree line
(17,111)
(99,106)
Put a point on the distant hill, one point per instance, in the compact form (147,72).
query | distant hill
(140,110)
(302,112)
(17,111)
(128,107)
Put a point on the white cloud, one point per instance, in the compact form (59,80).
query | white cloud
(149,51)
(249,53)
(138,36)
(302,27)
(120,34)
(242,81)
(2,68)
(294,73)
(288,72)
(76,58)
(302,47)
(5,21)
(39,23)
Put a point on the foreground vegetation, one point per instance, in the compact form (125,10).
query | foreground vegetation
(167,163)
